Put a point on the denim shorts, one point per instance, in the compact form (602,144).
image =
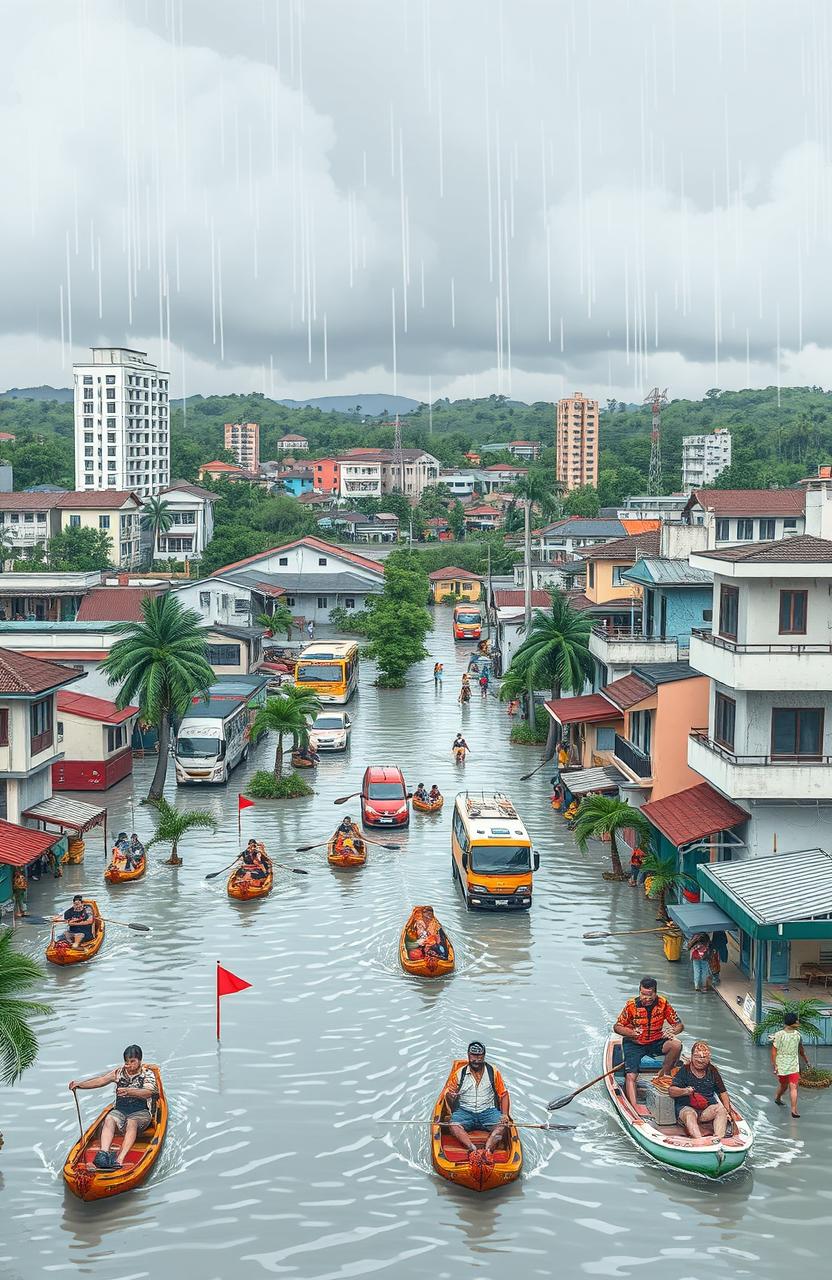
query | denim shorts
(633,1052)
(487,1119)
(701,972)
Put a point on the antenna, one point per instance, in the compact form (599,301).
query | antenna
(398,457)
(656,399)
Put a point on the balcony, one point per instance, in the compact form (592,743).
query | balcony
(763,777)
(633,758)
(628,647)
(799,666)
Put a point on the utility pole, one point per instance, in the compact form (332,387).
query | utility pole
(656,399)
(398,456)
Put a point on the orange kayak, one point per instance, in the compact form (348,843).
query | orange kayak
(427,966)
(243,890)
(89,1183)
(60,953)
(477,1173)
(113,875)
(427,806)
(355,857)
(300,762)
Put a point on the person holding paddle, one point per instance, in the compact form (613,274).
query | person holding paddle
(641,1027)
(80,922)
(253,862)
(479,1099)
(131,1115)
(348,837)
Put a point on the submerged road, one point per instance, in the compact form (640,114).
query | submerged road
(279,1160)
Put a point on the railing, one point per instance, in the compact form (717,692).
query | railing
(721,642)
(725,753)
(633,757)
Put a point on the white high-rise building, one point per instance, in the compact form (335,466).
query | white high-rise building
(122,423)
(704,457)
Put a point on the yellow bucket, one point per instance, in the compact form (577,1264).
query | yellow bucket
(672,943)
(75,852)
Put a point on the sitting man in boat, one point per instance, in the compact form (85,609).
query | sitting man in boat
(435,794)
(699,1093)
(428,937)
(131,1115)
(80,922)
(348,837)
(307,752)
(135,852)
(479,1101)
(253,864)
(641,1027)
(421,794)
(119,855)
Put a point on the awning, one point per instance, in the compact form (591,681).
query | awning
(582,781)
(69,815)
(786,896)
(20,845)
(693,814)
(700,917)
(590,708)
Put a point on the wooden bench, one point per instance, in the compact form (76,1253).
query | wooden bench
(816,973)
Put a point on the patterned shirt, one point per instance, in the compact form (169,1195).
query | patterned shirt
(648,1021)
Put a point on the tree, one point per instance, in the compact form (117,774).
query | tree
(281,618)
(160,663)
(308,705)
(157,518)
(77,550)
(665,878)
(600,816)
(398,620)
(18,1042)
(582,501)
(532,489)
(555,653)
(281,715)
(456,520)
(172,824)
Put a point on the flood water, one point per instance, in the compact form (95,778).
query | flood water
(281,1158)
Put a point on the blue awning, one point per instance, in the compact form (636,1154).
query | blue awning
(700,917)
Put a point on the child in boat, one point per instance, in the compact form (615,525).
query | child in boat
(435,794)
(131,1115)
(348,837)
(421,793)
(253,864)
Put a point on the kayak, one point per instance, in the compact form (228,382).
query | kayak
(424,966)
(243,890)
(114,875)
(428,806)
(89,1183)
(300,762)
(669,1143)
(60,953)
(347,857)
(451,1159)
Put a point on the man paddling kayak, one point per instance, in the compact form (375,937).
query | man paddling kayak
(479,1100)
(641,1027)
(131,1115)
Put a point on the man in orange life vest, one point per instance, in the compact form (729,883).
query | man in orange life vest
(641,1027)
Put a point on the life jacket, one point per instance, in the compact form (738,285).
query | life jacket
(144,1079)
(636,857)
(490,1071)
(649,1023)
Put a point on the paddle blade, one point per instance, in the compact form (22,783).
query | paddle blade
(304,848)
(214,875)
(342,799)
(560,1102)
(298,871)
(394,848)
(29,919)
(140,928)
(601,933)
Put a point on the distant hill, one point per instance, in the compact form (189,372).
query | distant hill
(63,395)
(370,405)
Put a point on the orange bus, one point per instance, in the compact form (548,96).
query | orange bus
(491,853)
(467,622)
(329,668)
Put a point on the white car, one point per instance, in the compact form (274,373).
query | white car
(331,731)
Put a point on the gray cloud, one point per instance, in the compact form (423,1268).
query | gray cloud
(281,196)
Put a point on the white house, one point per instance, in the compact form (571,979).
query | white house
(29,744)
(191,509)
(218,600)
(733,516)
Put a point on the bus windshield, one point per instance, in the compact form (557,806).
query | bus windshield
(320,672)
(469,616)
(499,859)
(199,748)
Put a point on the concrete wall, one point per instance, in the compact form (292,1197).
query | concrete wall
(218,607)
(680,707)
(678,540)
(89,519)
(784,827)
(752,724)
(759,611)
(685,610)
(601,589)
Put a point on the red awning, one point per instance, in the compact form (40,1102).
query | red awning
(591,708)
(82,704)
(693,814)
(19,845)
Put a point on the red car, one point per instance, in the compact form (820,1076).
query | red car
(384,797)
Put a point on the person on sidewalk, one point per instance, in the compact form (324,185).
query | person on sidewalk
(786,1054)
(700,948)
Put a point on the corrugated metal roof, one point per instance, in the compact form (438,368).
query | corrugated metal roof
(19,845)
(63,812)
(582,781)
(789,886)
(667,573)
(585,527)
(115,604)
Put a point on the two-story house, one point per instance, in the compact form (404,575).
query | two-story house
(29,743)
(733,516)
(191,511)
(567,538)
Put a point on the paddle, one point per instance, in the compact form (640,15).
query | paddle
(296,871)
(446,1124)
(127,924)
(620,933)
(569,1097)
(344,799)
(213,875)
(525,776)
(78,1109)
(306,848)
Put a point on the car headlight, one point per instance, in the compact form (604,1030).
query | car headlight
(479,888)
(523,888)
(401,809)
(368,808)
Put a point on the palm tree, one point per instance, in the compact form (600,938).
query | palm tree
(281,714)
(161,663)
(172,824)
(307,703)
(513,685)
(157,517)
(18,1042)
(555,653)
(600,816)
(665,878)
(280,619)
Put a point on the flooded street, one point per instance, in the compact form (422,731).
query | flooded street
(281,1157)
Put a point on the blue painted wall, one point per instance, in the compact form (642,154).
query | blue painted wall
(295,485)
(686,607)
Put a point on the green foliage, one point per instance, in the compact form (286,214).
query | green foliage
(583,501)
(263,785)
(398,620)
(471,554)
(157,518)
(526,734)
(456,520)
(247,520)
(289,712)
(18,1042)
(600,816)
(350,621)
(172,824)
(665,877)
(809,1013)
(78,550)
(279,621)
(555,654)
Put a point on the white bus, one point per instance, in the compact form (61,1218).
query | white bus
(211,740)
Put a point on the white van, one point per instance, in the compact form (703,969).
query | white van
(211,740)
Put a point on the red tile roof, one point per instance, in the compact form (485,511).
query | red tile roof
(693,814)
(81,704)
(92,501)
(221,466)
(750,502)
(482,510)
(507,466)
(507,599)
(115,604)
(630,548)
(30,501)
(590,708)
(802,549)
(627,691)
(446,575)
(19,845)
(22,674)
(317,543)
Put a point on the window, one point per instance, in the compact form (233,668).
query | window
(289,601)
(224,602)
(205,599)
(323,602)
(790,525)
(283,560)
(116,737)
(4,728)
(241,606)
(793,613)
(349,602)
(74,522)
(110,379)
(111,423)
(590,574)
(617,580)
(60,728)
(87,380)
(728,611)
(40,725)
(88,423)
(767,530)
(321,560)
(103,522)
(797,731)
(223,655)
(745,528)
(725,715)
(707,615)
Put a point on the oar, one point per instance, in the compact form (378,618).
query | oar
(296,871)
(78,1109)
(306,848)
(344,799)
(394,848)
(127,924)
(525,776)
(213,875)
(620,933)
(569,1097)
(446,1124)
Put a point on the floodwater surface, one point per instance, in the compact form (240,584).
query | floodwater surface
(282,1156)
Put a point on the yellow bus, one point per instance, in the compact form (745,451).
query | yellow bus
(491,852)
(329,668)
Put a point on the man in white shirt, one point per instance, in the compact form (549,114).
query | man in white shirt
(479,1101)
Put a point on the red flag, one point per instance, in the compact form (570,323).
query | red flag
(244,803)
(227,984)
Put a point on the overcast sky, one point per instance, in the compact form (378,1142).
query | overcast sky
(446,197)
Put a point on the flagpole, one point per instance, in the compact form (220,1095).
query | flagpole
(218,1000)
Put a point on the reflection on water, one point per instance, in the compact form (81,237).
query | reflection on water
(283,1156)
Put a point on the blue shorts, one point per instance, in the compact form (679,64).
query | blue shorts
(487,1119)
(634,1053)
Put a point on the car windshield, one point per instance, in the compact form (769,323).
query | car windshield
(469,617)
(385,791)
(198,748)
(328,722)
(499,859)
(319,672)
